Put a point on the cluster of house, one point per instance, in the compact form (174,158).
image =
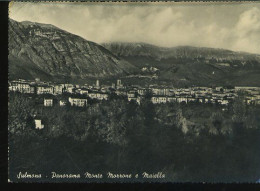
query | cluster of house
(158,94)
(80,102)
(219,95)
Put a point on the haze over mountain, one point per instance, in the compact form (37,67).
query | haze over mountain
(50,53)
(186,65)
(45,51)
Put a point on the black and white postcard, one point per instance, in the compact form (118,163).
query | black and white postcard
(134,92)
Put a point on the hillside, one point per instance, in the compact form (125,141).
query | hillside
(45,51)
(185,65)
(50,53)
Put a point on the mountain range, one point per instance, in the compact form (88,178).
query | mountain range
(186,65)
(50,53)
(45,51)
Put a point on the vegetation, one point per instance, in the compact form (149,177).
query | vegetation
(187,142)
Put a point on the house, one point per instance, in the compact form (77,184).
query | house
(20,86)
(99,96)
(224,102)
(207,100)
(58,89)
(44,89)
(171,99)
(62,102)
(48,102)
(158,99)
(68,85)
(38,124)
(131,94)
(219,89)
(182,99)
(32,89)
(78,102)
(113,86)
(97,84)
(119,84)
(70,89)
(83,91)
(141,91)
(160,91)
(118,92)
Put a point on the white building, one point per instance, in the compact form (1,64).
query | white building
(62,102)
(99,96)
(58,89)
(97,84)
(44,89)
(182,99)
(38,124)
(78,102)
(119,84)
(159,99)
(70,89)
(22,87)
(48,102)
(131,94)
(82,91)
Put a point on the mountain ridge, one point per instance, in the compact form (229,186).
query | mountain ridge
(187,65)
(134,46)
(35,47)
(48,52)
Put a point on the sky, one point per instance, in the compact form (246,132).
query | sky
(234,26)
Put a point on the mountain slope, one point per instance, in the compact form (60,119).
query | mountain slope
(42,50)
(186,65)
(156,52)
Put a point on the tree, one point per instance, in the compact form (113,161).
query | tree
(21,113)
(239,110)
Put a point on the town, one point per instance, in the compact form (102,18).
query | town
(159,94)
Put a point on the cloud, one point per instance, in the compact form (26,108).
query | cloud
(209,25)
(247,31)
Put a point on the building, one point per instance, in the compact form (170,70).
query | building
(224,102)
(119,84)
(48,102)
(70,89)
(44,89)
(68,85)
(79,102)
(83,91)
(131,94)
(122,93)
(38,124)
(171,99)
(158,99)
(62,102)
(182,99)
(99,96)
(97,84)
(20,86)
(162,91)
(113,86)
(32,89)
(58,89)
